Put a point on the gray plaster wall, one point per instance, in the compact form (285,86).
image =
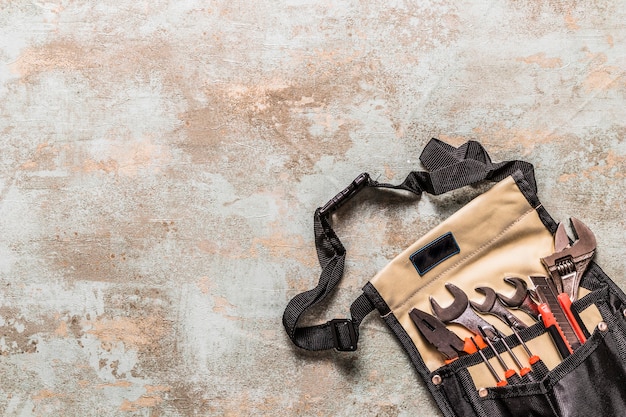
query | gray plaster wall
(160,163)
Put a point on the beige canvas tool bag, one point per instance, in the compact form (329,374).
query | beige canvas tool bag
(503,233)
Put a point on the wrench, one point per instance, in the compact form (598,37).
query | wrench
(522,299)
(460,312)
(492,305)
(569,261)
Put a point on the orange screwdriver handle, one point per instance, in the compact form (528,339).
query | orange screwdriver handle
(479,341)
(524,371)
(509,373)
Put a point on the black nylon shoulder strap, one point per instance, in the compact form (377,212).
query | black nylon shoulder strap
(450,168)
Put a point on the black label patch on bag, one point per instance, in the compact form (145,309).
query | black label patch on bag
(434,253)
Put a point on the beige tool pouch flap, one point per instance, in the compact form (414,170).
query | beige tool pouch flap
(500,233)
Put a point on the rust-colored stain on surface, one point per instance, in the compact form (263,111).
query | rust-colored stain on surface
(543,61)
(160,166)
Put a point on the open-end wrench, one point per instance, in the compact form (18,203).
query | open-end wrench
(492,305)
(460,312)
(522,299)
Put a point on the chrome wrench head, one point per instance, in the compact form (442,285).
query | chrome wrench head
(492,305)
(569,261)
(460,312)
(454,310)
(522,298)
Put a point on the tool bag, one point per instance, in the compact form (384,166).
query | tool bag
(504,232)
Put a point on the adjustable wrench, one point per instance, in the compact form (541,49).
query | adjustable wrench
(566,267)
(569,261)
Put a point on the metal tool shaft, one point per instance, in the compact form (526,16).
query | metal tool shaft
(499,381)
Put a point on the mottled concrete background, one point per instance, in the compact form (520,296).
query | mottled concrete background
(161,161)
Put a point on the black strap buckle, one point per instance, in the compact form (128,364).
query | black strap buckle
(335,326)
(346,194)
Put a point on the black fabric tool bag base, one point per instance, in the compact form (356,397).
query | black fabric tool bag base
(504,232)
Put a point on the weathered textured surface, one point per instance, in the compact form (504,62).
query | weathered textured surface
(161,162)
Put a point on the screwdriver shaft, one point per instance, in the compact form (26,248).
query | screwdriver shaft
(522,343)
(499,382)
(515,359)
(505,367)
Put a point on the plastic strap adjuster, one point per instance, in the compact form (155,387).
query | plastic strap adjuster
(346,194)
(335,326)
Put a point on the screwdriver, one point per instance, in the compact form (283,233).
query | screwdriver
(510,375)
(523,369)
(539,368)
(499,382)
